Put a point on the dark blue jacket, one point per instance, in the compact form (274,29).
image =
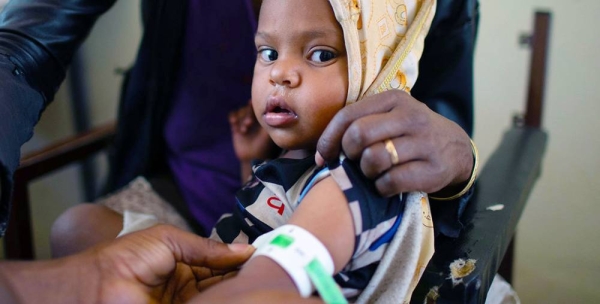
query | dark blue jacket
(38,39)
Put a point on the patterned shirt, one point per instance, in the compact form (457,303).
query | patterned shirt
(277,188)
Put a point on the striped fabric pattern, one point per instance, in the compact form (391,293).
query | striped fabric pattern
(269,199)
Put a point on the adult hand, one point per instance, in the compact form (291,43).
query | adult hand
(136,268)
(433,152)
(133,265)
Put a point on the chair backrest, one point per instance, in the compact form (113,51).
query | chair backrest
(462,269)
(538,42)
(537,71)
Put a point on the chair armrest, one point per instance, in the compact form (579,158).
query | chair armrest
(18,241)
(65,152)
(506,179)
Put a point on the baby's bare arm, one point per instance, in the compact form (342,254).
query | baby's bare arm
(324,212)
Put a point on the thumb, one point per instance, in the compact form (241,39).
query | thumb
(216,255)
(329,145)
(199,251)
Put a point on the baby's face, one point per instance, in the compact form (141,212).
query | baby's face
(301,72)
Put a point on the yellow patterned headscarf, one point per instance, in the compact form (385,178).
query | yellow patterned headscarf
(384,42)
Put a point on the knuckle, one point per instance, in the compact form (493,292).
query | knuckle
(324,144)
(398,97)
(342,117)
(389,183)
(354,135)
(370,163)
(211,248)
(419,119)
(377,160)
(369,156)
(431,148)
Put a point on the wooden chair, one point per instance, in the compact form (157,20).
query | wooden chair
(507,178)
(18,240)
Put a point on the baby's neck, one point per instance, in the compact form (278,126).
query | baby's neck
(297,154)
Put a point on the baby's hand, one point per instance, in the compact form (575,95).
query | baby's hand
(250,140)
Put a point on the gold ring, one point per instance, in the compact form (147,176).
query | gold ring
(391,149)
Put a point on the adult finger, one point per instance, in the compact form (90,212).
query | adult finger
(329,145)
(412,176)
(198,251)
(150,255)
(376,159)
(369,130)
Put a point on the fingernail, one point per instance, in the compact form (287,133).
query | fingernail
(319,159)
(239,247)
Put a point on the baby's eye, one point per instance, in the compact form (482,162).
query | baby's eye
(268,55)
(322,56)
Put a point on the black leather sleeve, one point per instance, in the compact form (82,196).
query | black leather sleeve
(445,80)
(42,36)
(37,41)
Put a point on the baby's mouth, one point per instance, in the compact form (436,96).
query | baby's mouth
(278,113)
(279,110)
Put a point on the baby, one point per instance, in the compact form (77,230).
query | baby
(314,57)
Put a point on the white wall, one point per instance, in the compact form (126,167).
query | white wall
(558,239)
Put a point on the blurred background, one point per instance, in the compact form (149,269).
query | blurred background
(558,237)
(557,244)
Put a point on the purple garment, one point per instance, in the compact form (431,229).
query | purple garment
(215,78)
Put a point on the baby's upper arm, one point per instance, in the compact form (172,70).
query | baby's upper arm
(325,213)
